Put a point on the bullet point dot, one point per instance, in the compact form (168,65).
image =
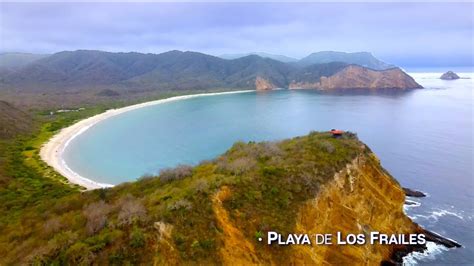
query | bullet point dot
(260,239)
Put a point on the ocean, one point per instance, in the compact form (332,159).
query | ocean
(424,138)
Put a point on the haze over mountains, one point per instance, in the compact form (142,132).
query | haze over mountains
(282,58)
(364,59)
(177,70)
(18,60)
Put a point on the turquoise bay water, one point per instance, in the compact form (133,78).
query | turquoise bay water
(424,138)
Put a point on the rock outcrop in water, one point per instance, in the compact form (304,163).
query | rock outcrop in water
(357,77)
(450,75)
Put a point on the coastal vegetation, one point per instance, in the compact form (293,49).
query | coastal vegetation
(182,215)
(27,182)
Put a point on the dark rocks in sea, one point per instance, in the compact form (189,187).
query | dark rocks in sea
(397,256)
(410,203)
(413,193)
(434,237)
(450,75)
(404,250)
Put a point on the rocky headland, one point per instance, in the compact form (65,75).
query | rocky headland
(357,77)
(220,211)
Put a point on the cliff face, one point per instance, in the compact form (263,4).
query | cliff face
(262,84)
(357,77)
(360,198)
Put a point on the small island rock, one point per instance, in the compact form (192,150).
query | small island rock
(450,75)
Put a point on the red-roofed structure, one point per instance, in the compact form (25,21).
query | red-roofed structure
(336,132)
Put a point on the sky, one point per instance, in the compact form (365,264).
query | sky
(406,34)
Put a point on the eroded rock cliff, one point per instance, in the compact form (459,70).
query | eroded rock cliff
(262,84)
(357,77)
(361,198)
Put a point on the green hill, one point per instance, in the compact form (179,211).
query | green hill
(13,121)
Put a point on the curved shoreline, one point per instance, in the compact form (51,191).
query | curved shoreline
(51,152)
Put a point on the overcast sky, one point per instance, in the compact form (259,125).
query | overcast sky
(406,34)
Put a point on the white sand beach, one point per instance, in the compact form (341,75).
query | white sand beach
(52,151)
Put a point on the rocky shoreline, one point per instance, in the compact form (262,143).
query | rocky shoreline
(413,193)
(401,251)
(404,250)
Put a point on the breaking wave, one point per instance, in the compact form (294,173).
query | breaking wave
(432,250)
(438,213)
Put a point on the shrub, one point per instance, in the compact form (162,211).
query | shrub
(269,149)
(79,254)
(207,244)
(195,244)
(102,193)
(132,210)
(349,135)
(177,173)
(146,177)
(181,204)
(258,235)
(137,238)
(327,146)
(270,171)
(96,215)
(201,186)
(237,166)
(52,226)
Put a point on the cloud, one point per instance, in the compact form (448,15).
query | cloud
(397,32)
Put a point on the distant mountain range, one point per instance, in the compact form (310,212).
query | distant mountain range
(281,58)
(18,60)
(364,59)
(177,70)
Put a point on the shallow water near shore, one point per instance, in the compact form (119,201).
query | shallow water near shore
(424,138)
